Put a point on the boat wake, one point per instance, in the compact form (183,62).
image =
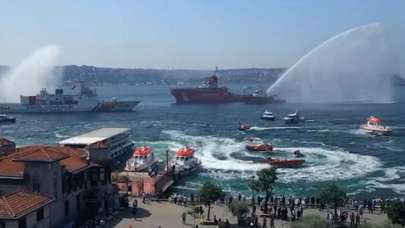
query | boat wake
(393,179)
(216,152)
(327,164)
(272,128)
(226,158)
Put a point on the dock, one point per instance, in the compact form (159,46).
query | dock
(138,183)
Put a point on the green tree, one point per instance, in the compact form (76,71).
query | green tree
(253,186)
(209,193)
(396,212)
(264,183)
(239,209)
(333,196)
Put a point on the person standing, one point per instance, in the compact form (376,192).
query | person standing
(183,217)
(357,219)
(352,219)
(272,222)
(264,225)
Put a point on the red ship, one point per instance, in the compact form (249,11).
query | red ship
(213,94)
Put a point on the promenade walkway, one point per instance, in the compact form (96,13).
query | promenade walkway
(168,215)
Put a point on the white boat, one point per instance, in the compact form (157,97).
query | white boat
(293,118)
(72,97)
(185,162)
(143,159)
(267,115)
(374,126)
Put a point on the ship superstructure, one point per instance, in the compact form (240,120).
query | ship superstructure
(72,97)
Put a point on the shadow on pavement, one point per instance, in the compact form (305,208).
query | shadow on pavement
(127,214)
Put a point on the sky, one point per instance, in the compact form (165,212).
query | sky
(187,34)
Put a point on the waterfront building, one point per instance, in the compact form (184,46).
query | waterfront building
(107,146)
(51,186)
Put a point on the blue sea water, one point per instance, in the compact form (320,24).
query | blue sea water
(335,148)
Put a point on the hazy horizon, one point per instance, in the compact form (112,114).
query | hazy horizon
(192,35)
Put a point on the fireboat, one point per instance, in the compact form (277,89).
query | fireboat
(374,126)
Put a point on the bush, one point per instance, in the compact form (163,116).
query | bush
(396,212)
(239,209)
(311,221)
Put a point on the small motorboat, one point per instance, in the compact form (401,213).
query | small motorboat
(267,115)
(298,154)
(143,159)
(7,119)
(374,126)
(293,118)
(185,162)
(244,127)
(264,147)
(285,163)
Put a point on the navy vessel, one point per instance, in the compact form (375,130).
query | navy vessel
(73,97)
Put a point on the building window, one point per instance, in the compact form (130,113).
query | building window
(55,186)
(35,183)
(102,174)
(78,202)
(22,222)
(67,208)
(40,214)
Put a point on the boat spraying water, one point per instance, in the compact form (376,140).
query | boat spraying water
(33,73)
(19,89)
(355,66)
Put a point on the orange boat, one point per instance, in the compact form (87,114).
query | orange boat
(285,163)
(264,147)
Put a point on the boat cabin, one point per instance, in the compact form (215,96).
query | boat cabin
(142,153)
(374,121)
(184,154)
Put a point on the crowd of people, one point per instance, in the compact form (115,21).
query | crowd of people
(290,208)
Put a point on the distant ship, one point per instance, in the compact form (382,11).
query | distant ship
(74,97)
(213,94)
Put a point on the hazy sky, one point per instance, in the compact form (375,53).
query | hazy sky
(187,34)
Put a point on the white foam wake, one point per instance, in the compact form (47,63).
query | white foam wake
(326,164)
(321,164)
(209,146)
(393,179)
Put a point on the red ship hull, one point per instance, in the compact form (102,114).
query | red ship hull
(202,95)
(218,96)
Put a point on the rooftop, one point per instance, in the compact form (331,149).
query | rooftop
(94,136)
(11,170)
(5,142)
(19,204)
(40,154)
(12,166)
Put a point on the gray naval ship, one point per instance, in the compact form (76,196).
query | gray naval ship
(72,97)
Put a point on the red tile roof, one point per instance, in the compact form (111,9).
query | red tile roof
(40,154)
(19,204)
(5,142)
(11,169)
(12,166)
(74,164)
